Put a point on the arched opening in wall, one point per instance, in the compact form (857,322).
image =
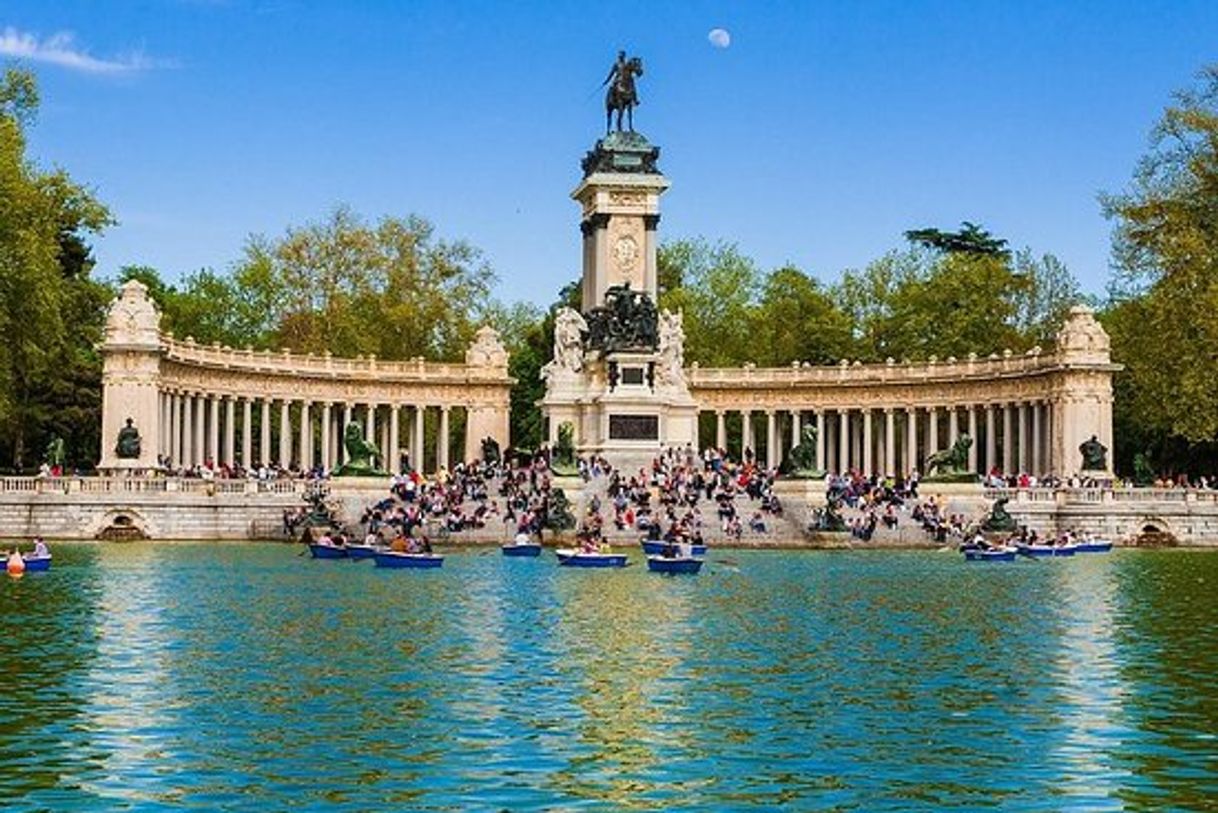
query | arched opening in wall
(122,527)
(1154,535)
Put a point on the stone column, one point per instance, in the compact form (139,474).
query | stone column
(843,441)
(890,442)
(796,429)
(1024,462)
(1008,440)
(932,434)
(306,437)
(230,429)
(370,424)
(746,433)
(720,430)
(1037,440)
(264,433)
(972,433)
(771,439)
(247,432)
(868,470)
(392,463)
(342,433)
(416,453)
(442,439)
(200,443)
(162,405)
(327,418)
(821,463)
(175,429)
(911,439)
(383,444)
(991,447)
(285,434)
(213,430)
(953,425)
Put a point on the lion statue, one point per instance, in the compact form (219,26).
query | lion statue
(950,464)
(800,462)
(362,456)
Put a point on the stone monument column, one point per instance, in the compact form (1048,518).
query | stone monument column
(1084,381)
(131,367)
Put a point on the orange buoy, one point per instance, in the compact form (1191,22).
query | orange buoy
(16,565)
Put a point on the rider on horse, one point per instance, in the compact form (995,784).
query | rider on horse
(621,95)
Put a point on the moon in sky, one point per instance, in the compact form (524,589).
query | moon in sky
(719,37)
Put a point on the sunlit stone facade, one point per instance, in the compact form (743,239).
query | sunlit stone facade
(195,404)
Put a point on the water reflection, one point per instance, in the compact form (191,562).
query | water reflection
(231,676)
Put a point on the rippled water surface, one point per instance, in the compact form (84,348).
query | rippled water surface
(216,677)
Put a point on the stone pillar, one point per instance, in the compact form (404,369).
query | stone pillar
(932,434)
(264,440)
(991,447)
(972,433)
(821,463)
(720,430)
(1007,440)
(230,429)
(843,441)
(342,433)
(911,439)
(771,439)
(395,454)
(200,444)
(868,469)
(131,378)
(383,443)
(796,429)
(162,403)
(890,442)
(188,431)
(1024,462)
(370,424)
(746,434)
(442,439)
(416,452)
(247,432)
(953,424)
(213,430)
(285,434)
(327,418)
(306,437)
(175,429)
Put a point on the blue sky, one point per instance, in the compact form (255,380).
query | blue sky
(817,137)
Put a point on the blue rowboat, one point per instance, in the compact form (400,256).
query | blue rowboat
(1092,546)
(327,551)
(979,555)
(569,557)
(391,558)
(655,547)
(665,564)
(36,564)
(1041,551)
(521,549)
(361,551)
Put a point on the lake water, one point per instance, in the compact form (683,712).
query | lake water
(215,677)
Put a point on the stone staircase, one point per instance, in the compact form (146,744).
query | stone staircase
(781,531)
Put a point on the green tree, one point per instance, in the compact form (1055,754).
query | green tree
(796,320)
(45,290)
(390,288)
(1165,249)
(716,288)
(971,239)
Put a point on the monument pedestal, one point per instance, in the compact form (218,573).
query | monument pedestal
(617,376)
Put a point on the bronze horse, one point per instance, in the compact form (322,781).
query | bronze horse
(621,95)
